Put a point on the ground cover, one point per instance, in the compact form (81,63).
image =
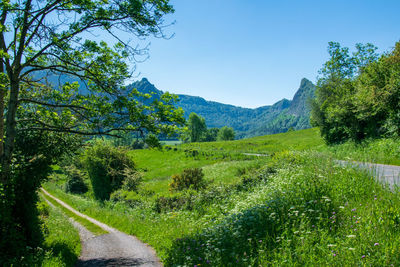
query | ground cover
(61,245)
(294,140)
(291,207)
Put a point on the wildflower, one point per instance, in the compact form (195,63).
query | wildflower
(333,213)
(352,249)
(331,245)
(376,244)
(351,236)
(363,256)
(334,254)
(260,241)
(353,209)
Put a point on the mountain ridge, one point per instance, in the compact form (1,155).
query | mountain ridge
(247,122)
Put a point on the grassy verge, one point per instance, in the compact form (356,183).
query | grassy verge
(385,151)
(96,230)
(62,244)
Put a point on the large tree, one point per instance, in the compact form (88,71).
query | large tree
(358,95)
(41,40)
(333,109)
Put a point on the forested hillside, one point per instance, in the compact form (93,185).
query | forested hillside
(246,122)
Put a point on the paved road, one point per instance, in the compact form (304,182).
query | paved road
(387,174)
(112,249)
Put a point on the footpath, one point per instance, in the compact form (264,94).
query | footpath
(112,249)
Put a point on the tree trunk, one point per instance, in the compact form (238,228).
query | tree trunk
(2,100)
(10,127)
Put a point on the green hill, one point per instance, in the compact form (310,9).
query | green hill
(277,118)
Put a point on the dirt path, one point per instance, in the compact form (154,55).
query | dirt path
(112,249)
(387,174)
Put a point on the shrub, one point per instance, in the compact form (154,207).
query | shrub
(180,201)
(130,198)
(152,141)
(107,167)
(132,180)
(190,178)
(75,183)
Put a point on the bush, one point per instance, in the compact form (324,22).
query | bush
(152,141)
(190,178)
(130,198)
(75,183)
(107,167)
(132,180)
(176,202)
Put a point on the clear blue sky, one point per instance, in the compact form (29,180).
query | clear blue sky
(254,53)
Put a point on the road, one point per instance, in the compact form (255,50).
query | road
(112,249)
(387,174)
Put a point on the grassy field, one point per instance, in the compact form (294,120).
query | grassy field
(295,140)
(293,207)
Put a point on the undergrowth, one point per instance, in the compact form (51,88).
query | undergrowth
(296,208)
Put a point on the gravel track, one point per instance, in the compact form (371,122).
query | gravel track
(112,249)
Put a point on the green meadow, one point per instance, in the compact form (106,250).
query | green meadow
(294,205)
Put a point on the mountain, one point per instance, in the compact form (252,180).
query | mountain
(246,122)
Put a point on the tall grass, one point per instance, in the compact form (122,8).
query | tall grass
(386,151)
(302,209)
(61,246)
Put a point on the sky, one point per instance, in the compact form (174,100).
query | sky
(254,53)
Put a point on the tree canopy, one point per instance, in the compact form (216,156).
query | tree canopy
(358,94)
(43,41)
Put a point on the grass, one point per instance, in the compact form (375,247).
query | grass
(385,151)
(296,140)
(294,207)
(159,165)
(62,244)
(96,230)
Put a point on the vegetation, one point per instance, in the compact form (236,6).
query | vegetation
(108,168)
(87,224)
(189,178)
(246,122)
(268,210)
(358,94)
(225,134)
(43,39)
(61,245)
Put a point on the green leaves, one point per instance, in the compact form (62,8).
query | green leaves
(356,96)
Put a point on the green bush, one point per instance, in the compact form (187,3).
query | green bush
(107,167)
(132,180)
(190,178)
(153,142)
(75,183)
(132,199)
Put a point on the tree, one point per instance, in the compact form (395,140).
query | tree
(197,127)
(44,39)
(358,96)
(211,135)
(226,133)
(333,109)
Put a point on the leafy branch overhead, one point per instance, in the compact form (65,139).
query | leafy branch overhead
(58,76)
(42,39)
